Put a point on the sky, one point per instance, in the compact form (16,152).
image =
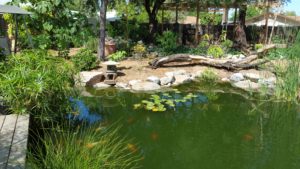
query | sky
(294,5)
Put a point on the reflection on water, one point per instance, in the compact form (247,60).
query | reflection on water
(215,131)
(82,112)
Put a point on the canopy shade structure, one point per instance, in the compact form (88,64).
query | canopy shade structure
(13,10)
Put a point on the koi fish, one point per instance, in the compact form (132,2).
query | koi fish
(130,120)
(154,136)
(247,137)
(132,148)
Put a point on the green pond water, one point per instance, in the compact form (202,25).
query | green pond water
(216,129)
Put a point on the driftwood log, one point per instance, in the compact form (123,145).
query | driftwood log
(249,62)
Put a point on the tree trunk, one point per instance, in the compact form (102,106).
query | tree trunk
(101,47)
(152,15)
(197,23)
(242,16)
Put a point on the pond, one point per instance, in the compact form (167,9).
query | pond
(214,129)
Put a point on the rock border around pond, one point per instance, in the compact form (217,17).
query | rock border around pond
(248,80)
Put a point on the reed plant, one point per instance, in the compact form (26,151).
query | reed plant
(34,82)
(288,74)
(92,147)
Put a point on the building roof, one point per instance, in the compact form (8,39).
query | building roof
(279,20)
(13,10)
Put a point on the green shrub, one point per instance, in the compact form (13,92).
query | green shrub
(139,48)
(2,54)
(167,42)
(215,51)
(258,46)
(227,44)
(42,41)
(35,82)
(89,148)
(92,44)
(118,56)
(209,75)
(85,60)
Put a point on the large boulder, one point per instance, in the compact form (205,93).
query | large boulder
(101,86)
(247,85)
(252,76)
(122,85)
(88,78)
(180,79)
(167,80)
(133,82)
(236,77)
(145,86)
(153,79)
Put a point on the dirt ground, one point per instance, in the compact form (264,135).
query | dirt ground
(140,70)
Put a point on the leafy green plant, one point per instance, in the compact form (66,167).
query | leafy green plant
(86,148)
(33,82)
(2,54)
(118,56)
(227,44)
(42,41)
(158,103)
(85,60)
(208,75)
(92,44)
(258,46)
(139,48)
(215,51)
(167,42)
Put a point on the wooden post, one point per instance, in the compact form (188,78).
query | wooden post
(272,31)
(197,23)
(267,21)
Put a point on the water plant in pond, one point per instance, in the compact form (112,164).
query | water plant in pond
(160,103)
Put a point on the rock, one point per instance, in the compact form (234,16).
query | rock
(198,74)
(252,76)
(234,57)
(87,78)
(270,82)
(180,72)
(122,85)
(180,79)
(145,86)
(153,79)
(229,56)
(225,80)
(133,82)
(247,85)
(236,77)
(167,80)
(169,74)
(241,56)
(101,86)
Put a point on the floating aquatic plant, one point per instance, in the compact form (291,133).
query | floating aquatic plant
(160,103)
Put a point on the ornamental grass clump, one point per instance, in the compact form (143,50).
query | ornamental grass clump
(93,147)
(34,82)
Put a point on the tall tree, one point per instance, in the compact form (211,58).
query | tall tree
(152,7)
(101,48)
